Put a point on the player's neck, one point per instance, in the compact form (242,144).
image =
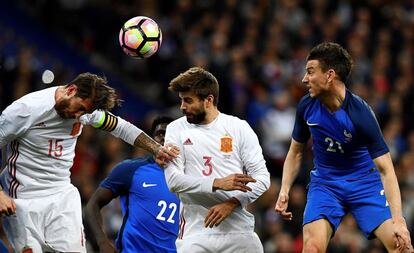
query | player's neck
(59,92)
(333,100)
(211,115)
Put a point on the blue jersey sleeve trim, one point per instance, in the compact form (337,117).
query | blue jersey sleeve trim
(366,125)
(120,179)
(301,131)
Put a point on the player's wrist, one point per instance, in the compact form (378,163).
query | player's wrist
(158,149)
(399,219)
(216,184)
(235,202)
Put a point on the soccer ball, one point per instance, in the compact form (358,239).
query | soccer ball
(140,37)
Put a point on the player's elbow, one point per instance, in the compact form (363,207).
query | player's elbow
(266,182)
(171,184)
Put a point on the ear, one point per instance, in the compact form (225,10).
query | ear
(210,100)
(71,89)
(331,74)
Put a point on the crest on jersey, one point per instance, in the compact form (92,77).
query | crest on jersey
(75,129)
(226,144)
(348,136)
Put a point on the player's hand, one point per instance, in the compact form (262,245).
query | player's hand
(7,205)
(217,213)
(166,154)
(282,205)
(232,182)
(402,236)
(107,247)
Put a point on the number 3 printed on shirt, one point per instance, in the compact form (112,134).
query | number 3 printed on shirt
(209,166)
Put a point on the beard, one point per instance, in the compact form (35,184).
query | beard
(196,118)
(60,109)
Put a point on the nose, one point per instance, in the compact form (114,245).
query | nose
(305,79)
(183,106)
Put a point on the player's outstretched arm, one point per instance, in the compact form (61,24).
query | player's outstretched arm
(393,195)
(232,182)
(163,154)
(99,199)
(218,213)
(131,134)
(290,171)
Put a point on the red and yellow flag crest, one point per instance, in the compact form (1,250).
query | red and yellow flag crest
(226,145)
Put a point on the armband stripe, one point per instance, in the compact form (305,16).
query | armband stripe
(109,123)
(112,122)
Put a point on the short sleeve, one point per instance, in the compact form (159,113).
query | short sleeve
(14,121)
(368,128)
(120,178)
(301,131)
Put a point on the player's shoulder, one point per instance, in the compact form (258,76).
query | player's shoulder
(357,107)
(305,101)
(129,166)
(180,123)
(231,120)
(353,100)
(234,124)
(137,162)
(38,101)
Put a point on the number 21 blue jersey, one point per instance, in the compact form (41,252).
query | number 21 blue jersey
(344,142)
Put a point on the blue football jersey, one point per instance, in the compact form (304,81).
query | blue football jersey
(344,142)
(150,210)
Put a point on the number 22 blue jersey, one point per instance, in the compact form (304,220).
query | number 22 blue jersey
(150,210)
(344,142)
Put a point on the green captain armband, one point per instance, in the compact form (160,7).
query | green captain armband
(107,122)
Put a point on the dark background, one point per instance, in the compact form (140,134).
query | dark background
(256,49)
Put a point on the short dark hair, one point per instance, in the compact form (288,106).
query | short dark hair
(96,88)
(332,56)
(160,120)
(198,80)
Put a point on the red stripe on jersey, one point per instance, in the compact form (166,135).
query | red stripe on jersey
(182,225)
(14,183)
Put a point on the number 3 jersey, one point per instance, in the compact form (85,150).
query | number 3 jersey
(344,142)
(225,146)
(150,210)
(41,145)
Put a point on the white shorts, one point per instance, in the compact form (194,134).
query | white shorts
(223,243)
(48,224)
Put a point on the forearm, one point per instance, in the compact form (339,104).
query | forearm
(94,220)
(390,183)
(261,185)
(181,183)
(147,143)
(291,169)
(392,193)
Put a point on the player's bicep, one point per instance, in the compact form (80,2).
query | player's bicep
(14,121)
(172,137)
(300,130)
(371,133)
(102,197)
(296,146)
(384,163)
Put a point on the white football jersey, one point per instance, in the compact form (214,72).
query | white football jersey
(41,145)
(225,146)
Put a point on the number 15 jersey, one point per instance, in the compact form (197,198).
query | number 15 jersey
(41,144)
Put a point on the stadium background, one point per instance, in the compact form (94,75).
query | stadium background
(256,48)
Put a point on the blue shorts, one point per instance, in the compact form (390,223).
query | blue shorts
(364,198)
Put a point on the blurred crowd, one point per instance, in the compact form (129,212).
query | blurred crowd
(257,50)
